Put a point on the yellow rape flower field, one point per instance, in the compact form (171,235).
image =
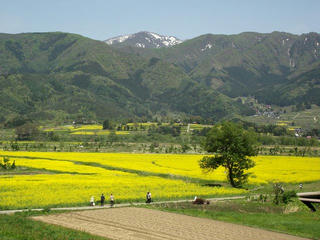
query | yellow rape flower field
(102,132)
(69,179)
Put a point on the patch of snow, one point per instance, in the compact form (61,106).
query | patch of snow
(166,40)
(123,38)
(140,45)
(119,39)
(166,43)
(208,46)
(154,39)
(156,36)
(317,44)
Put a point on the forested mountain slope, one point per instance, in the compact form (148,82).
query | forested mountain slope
(278,68)
(67,76)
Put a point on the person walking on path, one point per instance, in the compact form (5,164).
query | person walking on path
(148,197)
(92,201)
(102,199)
(111,200)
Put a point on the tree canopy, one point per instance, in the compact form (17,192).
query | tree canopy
(231,146)
(107,124)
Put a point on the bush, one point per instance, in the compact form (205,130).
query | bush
(5,164)
(281,196)
(262,198)
(278,191)
(27,131)
(287,196)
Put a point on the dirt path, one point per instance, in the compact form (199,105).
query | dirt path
(146,224)
(116,205)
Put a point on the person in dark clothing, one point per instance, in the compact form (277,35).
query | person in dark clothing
(148,197)
(102,199)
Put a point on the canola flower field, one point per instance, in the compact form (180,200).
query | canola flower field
(96,129)
(69,179)
(101,132)
(93,129)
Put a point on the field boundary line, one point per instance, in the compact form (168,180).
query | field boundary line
(115,205)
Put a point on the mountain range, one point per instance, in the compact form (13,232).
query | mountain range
(62,76)
(277,68)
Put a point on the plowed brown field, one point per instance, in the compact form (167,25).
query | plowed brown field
(140,223)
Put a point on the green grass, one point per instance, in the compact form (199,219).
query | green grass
(20,227)
(268,188)
(295,218)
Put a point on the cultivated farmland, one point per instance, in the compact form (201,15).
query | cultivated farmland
(69,179)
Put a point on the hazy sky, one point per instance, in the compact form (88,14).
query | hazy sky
(185,19)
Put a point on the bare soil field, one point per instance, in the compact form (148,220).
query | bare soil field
(145,224)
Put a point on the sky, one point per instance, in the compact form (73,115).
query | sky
(185,19)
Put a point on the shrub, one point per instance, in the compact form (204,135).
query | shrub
(278,191)
(281,196)
(263,198)
(5,164)
(287,196)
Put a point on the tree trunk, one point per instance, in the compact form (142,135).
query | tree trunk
(231,177)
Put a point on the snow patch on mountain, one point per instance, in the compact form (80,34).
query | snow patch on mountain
(119,39)
(208,46)
(141,45)
(144,40)
(156,36)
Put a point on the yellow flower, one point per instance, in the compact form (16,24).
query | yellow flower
(65,179)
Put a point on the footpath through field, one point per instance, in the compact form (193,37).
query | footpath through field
(115,205)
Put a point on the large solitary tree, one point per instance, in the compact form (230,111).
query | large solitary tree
(231,146)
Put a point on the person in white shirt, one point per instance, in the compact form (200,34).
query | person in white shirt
(148,197)
(111,200)
(92,203)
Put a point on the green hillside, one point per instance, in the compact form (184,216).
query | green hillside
(61,76)
(250,64)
